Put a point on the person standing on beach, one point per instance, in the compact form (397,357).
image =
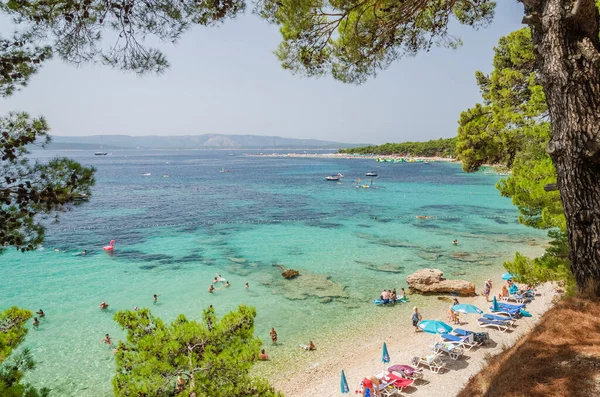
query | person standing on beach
(273,334)
(487,288)
(416,317)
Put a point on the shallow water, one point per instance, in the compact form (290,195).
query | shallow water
(173,234)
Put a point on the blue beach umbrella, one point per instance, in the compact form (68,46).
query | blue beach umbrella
(495,306)
(434,327)
(385,357)
(344,384)
(508,276)
(466,308)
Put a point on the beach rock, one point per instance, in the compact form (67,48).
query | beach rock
(290,273)
(431,281)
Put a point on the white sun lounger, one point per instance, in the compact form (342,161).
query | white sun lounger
(454,350)
(500,326)
(433,362)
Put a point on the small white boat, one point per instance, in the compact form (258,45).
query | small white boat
(165,175)
(146,174)
(332,177)
(371,173)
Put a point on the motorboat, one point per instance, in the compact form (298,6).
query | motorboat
(165,175)
(371,174)
(100,153)
(333,177)
(147,174)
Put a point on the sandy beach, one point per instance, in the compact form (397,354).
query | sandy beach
(362,356)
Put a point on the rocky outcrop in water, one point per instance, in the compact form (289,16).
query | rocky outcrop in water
(431,281)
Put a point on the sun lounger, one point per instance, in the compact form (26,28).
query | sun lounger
(499,325)
(502,318)
(432,362)
(453,350)
(511,306)
(516,298)
(407,371)
(479,337)
(466,341)
(395,381)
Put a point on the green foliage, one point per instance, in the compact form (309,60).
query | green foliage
(510,128)
(28,190)
(76,30)
(439,147)
(12,333)
(213,356)
(352,39)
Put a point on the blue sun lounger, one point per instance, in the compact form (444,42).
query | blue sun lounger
(509,320)
(466,341)
(499,325)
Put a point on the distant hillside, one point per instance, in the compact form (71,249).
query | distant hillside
(439,147)
(206,141)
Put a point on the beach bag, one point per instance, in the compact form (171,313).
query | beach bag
(481,337)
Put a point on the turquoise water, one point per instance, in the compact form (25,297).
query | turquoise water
(173,234)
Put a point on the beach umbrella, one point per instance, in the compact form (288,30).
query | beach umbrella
(434,327)
(466,308)
(385,356)
(495,306)
(344,384)
(508,276)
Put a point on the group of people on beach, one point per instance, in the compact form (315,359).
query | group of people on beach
(510,288)
(391,296)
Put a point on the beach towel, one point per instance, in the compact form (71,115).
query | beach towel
(525,314)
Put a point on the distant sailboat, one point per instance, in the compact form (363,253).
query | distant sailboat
(222,169)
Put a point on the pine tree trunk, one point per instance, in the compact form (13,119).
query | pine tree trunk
(565,36)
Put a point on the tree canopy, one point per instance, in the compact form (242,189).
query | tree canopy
(12,369)
(212,357)
(28,189)
(435,147)
(511,128)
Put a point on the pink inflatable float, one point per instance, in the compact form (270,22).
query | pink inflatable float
(111,246)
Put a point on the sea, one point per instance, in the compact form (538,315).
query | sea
(245,217)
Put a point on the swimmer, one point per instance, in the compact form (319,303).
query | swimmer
(219,279)
(227,284)
(215,280)
(455,242)
(56,249)
(135,308)
(84,252)
(273,334)
(103,305)
(41,313)
(263,356)
(106,340)
(36,322)
(247,286)
(156,297)
(211,288)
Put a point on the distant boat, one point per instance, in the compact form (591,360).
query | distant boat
(425,162)
(334,177)
(101,153)
(80,197)
(371,174)
(222,169)
(146,174)
(167,163)
(165,175)
(232,154)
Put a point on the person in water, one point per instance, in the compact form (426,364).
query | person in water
(103,305)
(263,356)
(36,322)
(41,313)
(106,340)
(416,317)
(247,286)
(227,284)
(156,297)
(455,242)
(311,346)
(84,252)
(273,334)
(211,288)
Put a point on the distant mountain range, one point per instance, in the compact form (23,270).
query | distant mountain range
(205,141)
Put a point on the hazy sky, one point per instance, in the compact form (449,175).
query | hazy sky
(226,80)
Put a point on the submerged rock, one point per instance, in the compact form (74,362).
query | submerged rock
(430,281)
(290,273)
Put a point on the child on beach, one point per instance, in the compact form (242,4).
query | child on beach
(486,289)
(273,334)
(416,317)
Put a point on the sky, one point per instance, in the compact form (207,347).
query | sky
(226,80)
